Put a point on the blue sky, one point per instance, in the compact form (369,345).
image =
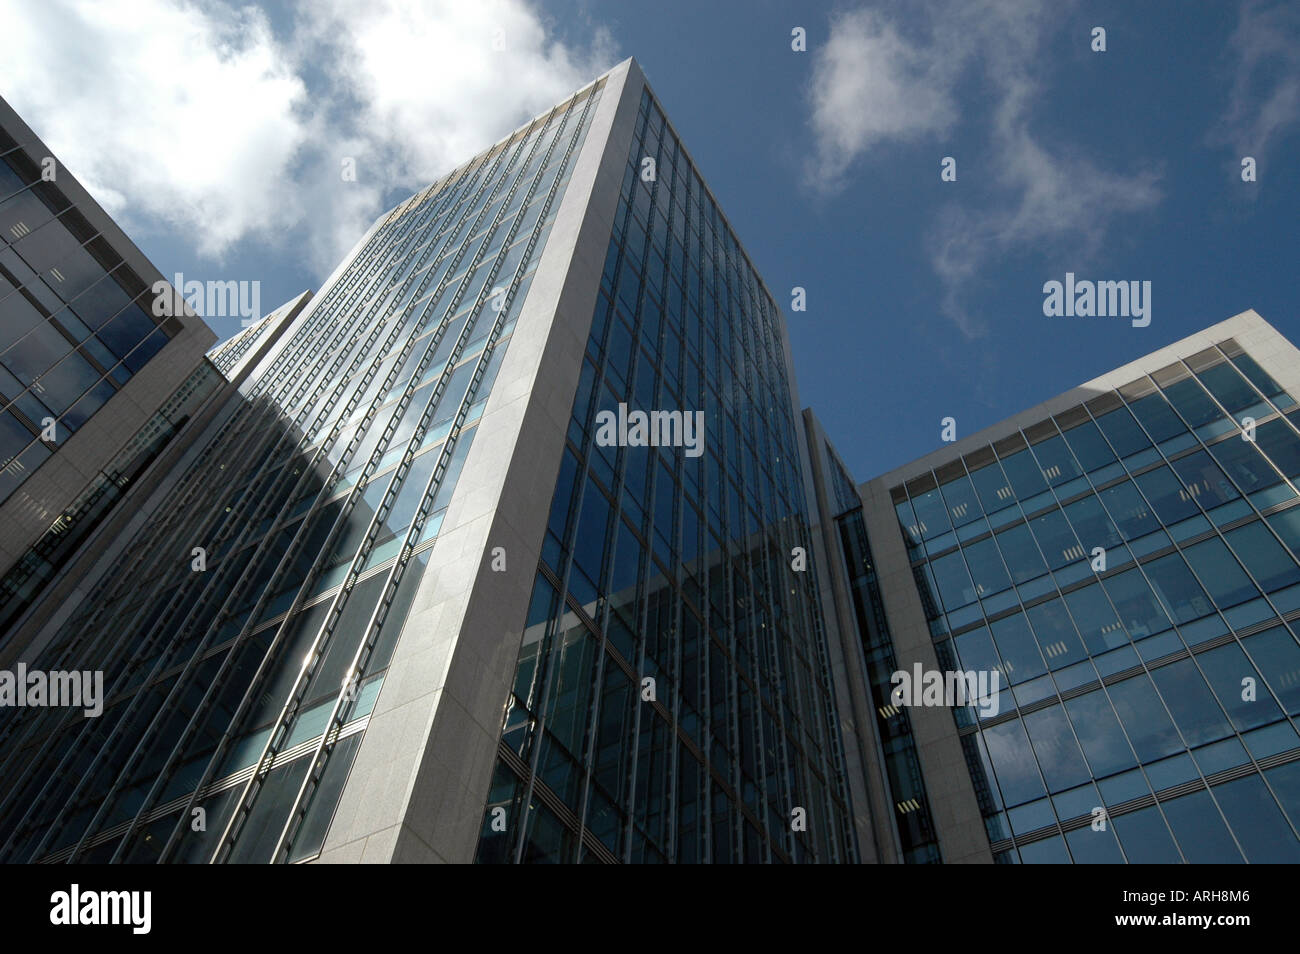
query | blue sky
(214,134)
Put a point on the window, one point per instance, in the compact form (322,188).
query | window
(1089,447)
(1095,620)
(1178,590)
(1122,432)
(1195,710)
(1099,733)
(1154,413)
(1021,553)
(1144,719)
(1129,510)
(1136,604)
(986,568)
(1221,574)
(1019,650)
(1265,559)
(1168,498)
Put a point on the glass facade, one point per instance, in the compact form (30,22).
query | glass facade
(75,319)
(660,565)
(911,809)
(247,629)
(1129,568)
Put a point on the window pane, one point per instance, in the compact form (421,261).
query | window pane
(1056,636)
(1191,401)
(1200,830)
(1136,604)
(1144,719)
(1195,710)
(1221,574)
(1182,596)
(1018,648)
(1207,484)
(1056,461)
(986,568)
(1021,553)
(992,487)
(1167,496)
(955,587)
(1257,822)
(1244,464)
(1282,446)
(1058,755)
(1146,838)
(1090,448)
(1013,763)
(1278,657)
(1095,619)
(1022,470)
(963,505)
(1159,419)
(1227,669)
(1265,559)
(1092,524)
(1099,733)
(931,513)
(1129,510)
(1257,375)
(1056,539)
(1122,432)
(1226,384)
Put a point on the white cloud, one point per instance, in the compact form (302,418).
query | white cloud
(907,86)
(1264,100)
(870,86)
(204,118)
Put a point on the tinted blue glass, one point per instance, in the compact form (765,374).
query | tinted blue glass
(1099,733)
(1013,763)
(1191,401)
(1231,389)
(1056,539)
(1058,756)
(1021,553)
(1200,830)
(986,568)
(1020,656)
(1258,823)
(1242,462)
(1090,448)
(1136,605)
(1194,708)
(1157,417)
(1123,432)
(1182,596)
(1282,445)
(993,489)
(1129,510)
(1144,718)
(1204,479)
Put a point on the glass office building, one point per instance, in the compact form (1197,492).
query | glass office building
(395,585)
(676,568)
(1125,559)
(85,365)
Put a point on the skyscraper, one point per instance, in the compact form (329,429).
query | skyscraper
(508,545)
(1124,558)
(93,385)
(407,599)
